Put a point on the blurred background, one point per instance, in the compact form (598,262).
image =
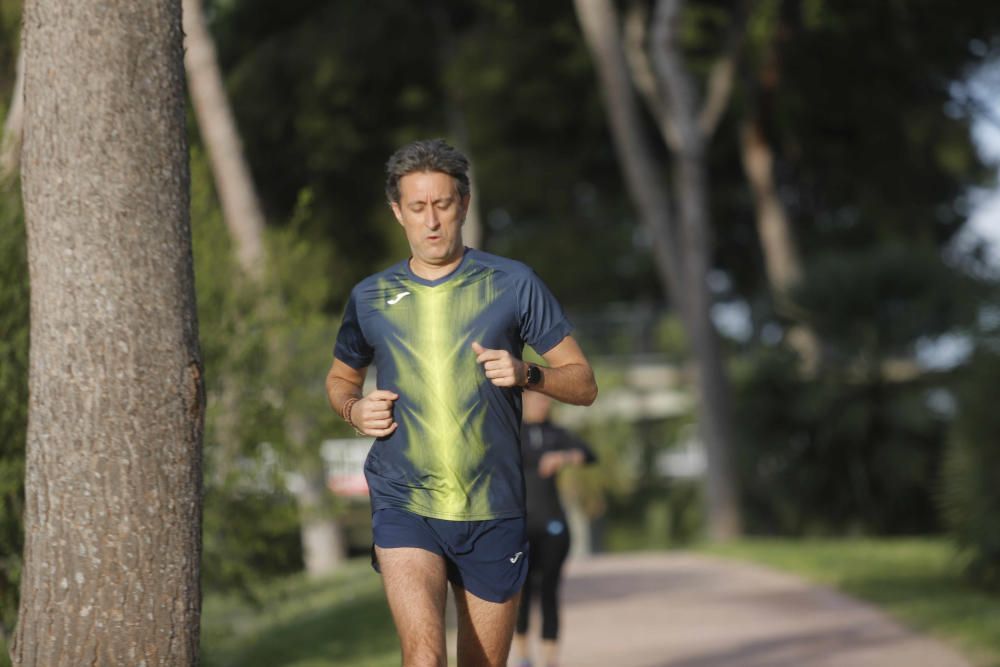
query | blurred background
(774,224)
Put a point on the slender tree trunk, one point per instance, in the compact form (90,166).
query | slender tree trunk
(472,230)
(781,260)
(13,127)
(323,546)
(639,166)
(781,257)
(113,481)
(240,206)
(681,239)
(245,221)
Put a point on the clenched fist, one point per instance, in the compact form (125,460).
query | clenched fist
(372,415)
(501,367)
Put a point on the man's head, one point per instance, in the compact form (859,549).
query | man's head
(426,155)
(535,407)
(427,184)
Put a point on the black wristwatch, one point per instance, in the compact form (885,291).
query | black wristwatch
(534,375)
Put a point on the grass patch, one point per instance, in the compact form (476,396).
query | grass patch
(915,580)
(300,622)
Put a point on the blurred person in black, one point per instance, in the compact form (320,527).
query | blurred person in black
(545,450)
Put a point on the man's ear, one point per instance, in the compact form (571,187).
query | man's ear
(465,206)
(396,211)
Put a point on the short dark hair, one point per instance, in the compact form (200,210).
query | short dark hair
(426,155)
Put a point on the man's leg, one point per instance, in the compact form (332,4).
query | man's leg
(484,629)
(416,587)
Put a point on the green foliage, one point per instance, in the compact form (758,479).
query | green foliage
(250,526)
(971,490)
(882,299)
(14,302)
(834,454)
(300,622)
(267,348)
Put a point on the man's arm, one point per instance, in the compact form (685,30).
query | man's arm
(371,414)
(567,378)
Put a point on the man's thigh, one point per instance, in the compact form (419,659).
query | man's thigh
(416,587)
(485,629)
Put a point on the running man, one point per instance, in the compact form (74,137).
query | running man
(445,330)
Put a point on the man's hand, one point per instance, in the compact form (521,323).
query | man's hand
(553,462)
(501,367)
(372,415)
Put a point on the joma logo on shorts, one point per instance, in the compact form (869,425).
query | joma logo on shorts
(516,557)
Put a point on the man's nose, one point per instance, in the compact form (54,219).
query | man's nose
(432,219)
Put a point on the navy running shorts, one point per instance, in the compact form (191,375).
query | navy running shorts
(487,558)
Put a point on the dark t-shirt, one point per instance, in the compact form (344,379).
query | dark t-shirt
(455,453)
(542,493)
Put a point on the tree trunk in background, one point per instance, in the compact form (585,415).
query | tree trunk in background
(113,481)
(781,258)
(323,547)
(245,221)
(240,206)
(639,167)
(13,127)
(472,230)
(680,242)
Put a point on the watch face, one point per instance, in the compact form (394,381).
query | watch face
(534,374)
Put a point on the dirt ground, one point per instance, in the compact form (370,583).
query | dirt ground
(684,610)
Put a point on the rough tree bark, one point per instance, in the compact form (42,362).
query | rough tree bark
(680,232)
(113,481)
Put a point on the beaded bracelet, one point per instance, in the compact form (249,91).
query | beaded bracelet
(345,412)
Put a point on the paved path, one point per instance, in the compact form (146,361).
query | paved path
(684,610)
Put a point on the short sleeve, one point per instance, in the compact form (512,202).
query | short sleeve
(352,347)
(543,323)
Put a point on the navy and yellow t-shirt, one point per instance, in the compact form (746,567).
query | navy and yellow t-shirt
(455,453)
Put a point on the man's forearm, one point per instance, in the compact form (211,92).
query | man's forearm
(572,383)
(339,390)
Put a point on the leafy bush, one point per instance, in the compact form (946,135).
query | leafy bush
(971,490)
(834,454)
(13,398)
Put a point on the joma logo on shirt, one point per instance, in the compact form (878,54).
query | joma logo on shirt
(396,299)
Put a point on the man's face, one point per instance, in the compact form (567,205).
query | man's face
(431,213)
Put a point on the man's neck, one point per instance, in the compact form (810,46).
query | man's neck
(435,271)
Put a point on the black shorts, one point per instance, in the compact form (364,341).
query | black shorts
(487,558)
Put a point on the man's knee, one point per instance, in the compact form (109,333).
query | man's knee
(424,654)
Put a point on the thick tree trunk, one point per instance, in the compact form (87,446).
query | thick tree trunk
(680,242)
(113,481)
(240,206)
